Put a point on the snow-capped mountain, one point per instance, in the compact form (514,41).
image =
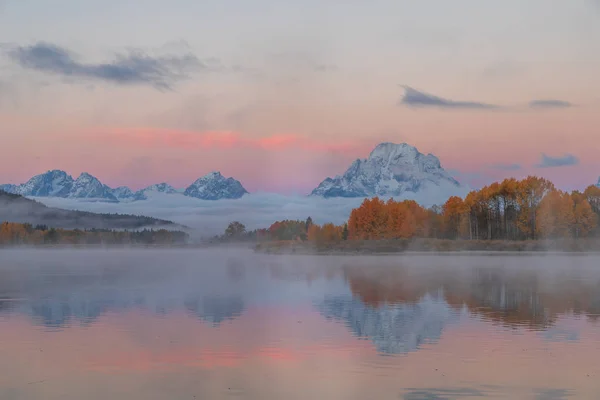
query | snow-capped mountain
(215,186)
(123,193)
(87,186)
(57,183)
(8,188)
(157,188)
(390,170)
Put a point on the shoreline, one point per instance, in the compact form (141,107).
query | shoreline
(435,247)
(431,246)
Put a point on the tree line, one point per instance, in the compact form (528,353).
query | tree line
(12,233)
(528,209)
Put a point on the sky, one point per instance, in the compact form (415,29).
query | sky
(282,94)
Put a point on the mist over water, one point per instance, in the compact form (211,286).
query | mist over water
(214,323)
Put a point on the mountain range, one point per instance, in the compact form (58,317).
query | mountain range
(390,170)
(57,183)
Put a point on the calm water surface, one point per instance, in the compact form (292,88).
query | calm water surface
(215,324)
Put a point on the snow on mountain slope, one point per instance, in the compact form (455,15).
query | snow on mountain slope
(55,183)
(215,186)
(8,188)
(123,193)
(87,186)
(391,170)
(157,188)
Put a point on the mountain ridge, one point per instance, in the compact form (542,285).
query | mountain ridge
(17,208)
(57,183)
(390,170)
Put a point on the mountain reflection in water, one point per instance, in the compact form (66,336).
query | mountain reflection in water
(216,324)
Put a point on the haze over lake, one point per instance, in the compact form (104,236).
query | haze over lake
(199,324)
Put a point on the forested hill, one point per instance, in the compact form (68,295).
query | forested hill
(16,208)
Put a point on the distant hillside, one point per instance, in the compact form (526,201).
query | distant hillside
(16,208)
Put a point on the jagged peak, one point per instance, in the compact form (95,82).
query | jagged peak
(214,186)
(86,175)
(54,172)
(389,151)
(163,186)
(390,169)
(213,175)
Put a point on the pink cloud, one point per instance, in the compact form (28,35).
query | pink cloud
(189,140)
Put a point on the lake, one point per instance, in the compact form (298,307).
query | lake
(231,324)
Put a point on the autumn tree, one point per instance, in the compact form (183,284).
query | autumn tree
(235,229)
(530,193)
(585,220)
(455,217)
(554,215)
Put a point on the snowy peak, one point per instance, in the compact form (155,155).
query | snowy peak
(8,188)
(87,186)
(390,170)
(388,151)
(57,183)
(157,188)
(54,183)
(390,154)
(122,193)
(214,186)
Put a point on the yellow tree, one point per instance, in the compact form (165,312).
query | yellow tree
(395,217)
(592,195)
(416,225)
(453,212)
(555,216)
(585,219)
(530,192)
(508,197)
(470,201)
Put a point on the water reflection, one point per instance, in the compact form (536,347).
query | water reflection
(527,297)
(393,328)
(154,325)
(80,290)
(215,309)
(63,312)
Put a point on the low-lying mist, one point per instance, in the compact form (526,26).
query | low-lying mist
(255,211)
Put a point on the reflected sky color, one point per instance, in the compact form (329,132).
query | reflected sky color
(267,327)
(281,95)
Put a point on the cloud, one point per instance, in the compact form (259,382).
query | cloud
(545,104)
(255,210)
(564,161)
(507,167)
(132,68)
(416,98)
(166,138)
(442,393)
